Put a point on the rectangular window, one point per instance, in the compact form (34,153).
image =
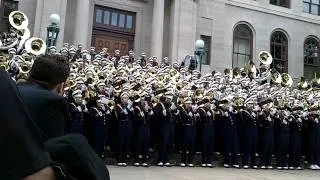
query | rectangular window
(122,18)
(106,17)
(207,50)
(99,16)
(282,3)
(114,20)
(311,7)
(129,22)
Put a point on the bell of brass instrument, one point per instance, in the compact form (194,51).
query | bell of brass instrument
(286,80)
(265,58)
(236,72)
(18,20)
(35,46)
(276,77)
(111,104)
(303,84)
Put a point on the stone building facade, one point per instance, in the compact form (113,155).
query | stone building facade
(234,31)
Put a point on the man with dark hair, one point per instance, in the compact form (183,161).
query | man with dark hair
(42,94)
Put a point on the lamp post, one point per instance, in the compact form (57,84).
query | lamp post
(53,30)
(199,51)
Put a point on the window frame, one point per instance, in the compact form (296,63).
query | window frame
(318,48)
(283,44)
(113,28)
(237,38)
(4,19)
(287,3)
(310,3)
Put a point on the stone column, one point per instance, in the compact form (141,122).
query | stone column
(81,25)
(157,29)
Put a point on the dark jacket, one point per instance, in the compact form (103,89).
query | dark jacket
(48,110)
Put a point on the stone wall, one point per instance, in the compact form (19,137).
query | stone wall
(219,17)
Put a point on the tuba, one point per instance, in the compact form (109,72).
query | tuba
(35,46)
(18,20)
(265,58)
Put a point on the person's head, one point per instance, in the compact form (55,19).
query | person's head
(50,72)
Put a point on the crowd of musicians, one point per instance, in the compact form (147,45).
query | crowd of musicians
(132,105)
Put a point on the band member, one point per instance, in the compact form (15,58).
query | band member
(207,117)
(188,121)
(164,111)
(131,57)
(123,110)
(249,121)
(266,136)
(141,124)
(282,121)
(295,140)
(98,120)
(77,110)
(231,145)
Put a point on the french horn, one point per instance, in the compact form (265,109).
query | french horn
(35,46)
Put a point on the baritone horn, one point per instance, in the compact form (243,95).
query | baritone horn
(35,46)
(18,20)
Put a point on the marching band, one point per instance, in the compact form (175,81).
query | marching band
(249,113)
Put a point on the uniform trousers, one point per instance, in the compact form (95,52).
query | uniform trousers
(266,146)
(295,148)
(207,144)
(283,140)
(250,140)
(98,137)
(231,146)
(188,143)
(142,143)
(166,137)
(123,140)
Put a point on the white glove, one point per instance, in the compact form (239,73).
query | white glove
(151,113)
(226,114)
(230,108)
(85,109)
(141,114)
(299,119)
(125,111)
(253,114)
(316,120)
(190,114)
(129,104)
(108,112)
(197,115)
(164,112)
(173,106)
(177,112)
(209,113)
(269,119)
(79,108)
